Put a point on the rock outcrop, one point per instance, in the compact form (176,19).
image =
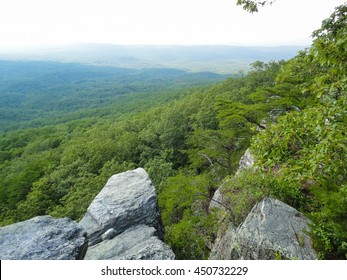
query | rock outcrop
(43,238)
(217,201)
(124,222)
(222,244)
(136,243)
(246,162)
(272,230)
(128,199)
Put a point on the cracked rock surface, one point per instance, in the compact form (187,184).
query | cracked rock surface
(137,243)
(128,199)
(43,238)
(271,230)
(123,222)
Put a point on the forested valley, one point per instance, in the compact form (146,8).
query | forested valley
(56,155)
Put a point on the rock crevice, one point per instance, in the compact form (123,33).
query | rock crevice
(124,222)
(128,199)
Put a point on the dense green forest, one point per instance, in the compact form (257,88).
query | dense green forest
(292,114)
(38,93)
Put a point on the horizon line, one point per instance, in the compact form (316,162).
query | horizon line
(71,45)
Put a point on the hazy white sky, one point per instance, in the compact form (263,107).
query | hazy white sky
(36,22)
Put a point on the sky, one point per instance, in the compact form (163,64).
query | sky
(28,23)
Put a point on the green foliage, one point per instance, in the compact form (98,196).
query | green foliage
(190,142)
(159,170)
(39,93)
(329,230)
(182,193)
(305,152)
(301,156)
(253,5)
(243,191)
(184,201)
(192,237)
(215,150)
(183,140)
(329,51)
(245,116)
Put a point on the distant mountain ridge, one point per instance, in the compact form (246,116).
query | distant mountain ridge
(220,59)
(46,91)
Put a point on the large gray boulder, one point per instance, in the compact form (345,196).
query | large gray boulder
(136,243)
(43,238)
(128,199)
(124,223)
(272,230)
